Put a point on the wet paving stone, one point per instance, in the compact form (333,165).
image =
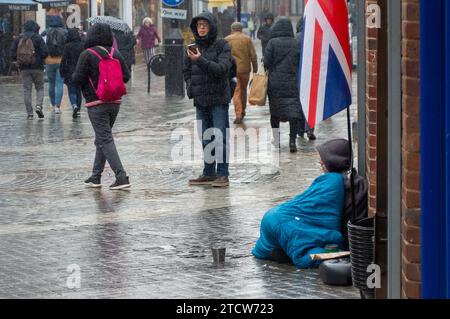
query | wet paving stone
(154,240)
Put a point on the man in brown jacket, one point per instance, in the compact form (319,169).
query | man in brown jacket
(244,53)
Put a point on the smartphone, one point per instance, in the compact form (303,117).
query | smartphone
(193,47)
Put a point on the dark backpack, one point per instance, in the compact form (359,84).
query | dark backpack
(26,53)
(361,203)
(56,39)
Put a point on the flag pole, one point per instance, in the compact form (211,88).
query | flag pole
(352,174)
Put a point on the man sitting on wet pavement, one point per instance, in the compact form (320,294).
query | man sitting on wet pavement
(306,224)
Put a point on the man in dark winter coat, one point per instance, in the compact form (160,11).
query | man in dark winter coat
(206,72)
(264,31)
(282,59)
(72,51)
(32,73)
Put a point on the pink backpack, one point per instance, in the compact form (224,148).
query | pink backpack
(110,80)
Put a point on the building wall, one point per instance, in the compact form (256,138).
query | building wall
(371,113)
(411,241)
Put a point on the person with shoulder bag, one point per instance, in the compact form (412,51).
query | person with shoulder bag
(101,73)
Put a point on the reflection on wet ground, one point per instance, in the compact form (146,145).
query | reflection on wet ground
(154,240)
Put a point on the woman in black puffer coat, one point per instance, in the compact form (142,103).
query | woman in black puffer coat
(281,58)
(72,51)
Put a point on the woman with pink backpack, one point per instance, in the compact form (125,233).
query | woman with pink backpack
(101,73)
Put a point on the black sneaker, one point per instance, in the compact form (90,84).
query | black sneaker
(75,113)
(121,184)
(30,117)
(93,182)
(39,111)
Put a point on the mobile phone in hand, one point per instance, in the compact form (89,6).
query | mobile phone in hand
(193,48)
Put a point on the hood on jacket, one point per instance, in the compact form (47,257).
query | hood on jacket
(73,35)
(55,22)
(282,28)
(31,26)
(99,34)
(269,16)
(212,35)
(335,155)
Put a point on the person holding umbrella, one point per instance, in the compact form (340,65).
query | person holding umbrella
(123,37)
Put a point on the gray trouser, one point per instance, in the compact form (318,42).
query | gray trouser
(29,77)
(102,118)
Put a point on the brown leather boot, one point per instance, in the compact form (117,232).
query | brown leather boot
(202,180)
(221,181)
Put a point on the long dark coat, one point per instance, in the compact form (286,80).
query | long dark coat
(282,57)
(72,51)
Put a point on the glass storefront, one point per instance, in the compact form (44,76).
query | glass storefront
(60,8)
(11,26)
(111,8)
(141,10)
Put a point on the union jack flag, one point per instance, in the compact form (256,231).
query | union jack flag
(325,62)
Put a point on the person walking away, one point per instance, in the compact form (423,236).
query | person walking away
(147,35)
(303,125)
(243,51)
(282,59)
(252,28)
(206,72)
(103,112)
(264,31)
(72,51)
(30,50)
(56,40)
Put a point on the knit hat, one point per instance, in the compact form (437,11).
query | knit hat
(335,155)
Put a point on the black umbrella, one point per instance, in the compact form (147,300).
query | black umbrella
(115,23)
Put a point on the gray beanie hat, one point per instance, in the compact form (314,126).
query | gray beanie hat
(335,154)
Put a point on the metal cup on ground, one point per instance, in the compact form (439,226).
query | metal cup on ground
(218,254)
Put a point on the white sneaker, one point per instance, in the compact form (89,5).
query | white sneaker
(57,110)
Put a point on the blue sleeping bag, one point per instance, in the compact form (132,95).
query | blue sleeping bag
(305,224)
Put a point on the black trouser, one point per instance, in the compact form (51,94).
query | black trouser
(102,118)
(294,125)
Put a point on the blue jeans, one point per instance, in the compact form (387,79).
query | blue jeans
(54,81)
(74,95)
(213,130)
